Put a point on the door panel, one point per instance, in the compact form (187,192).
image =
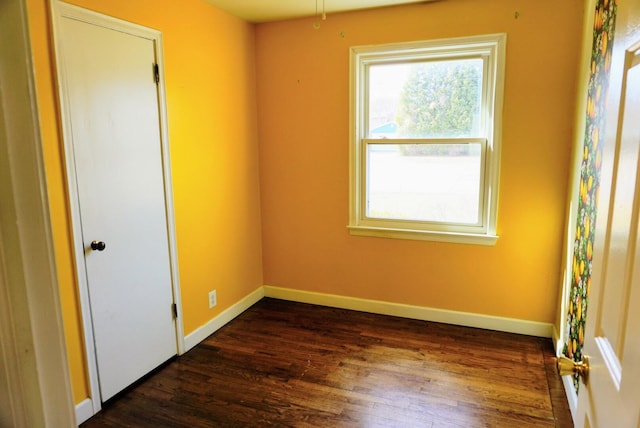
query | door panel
(612,395)
(114,115)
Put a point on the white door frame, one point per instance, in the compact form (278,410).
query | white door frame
(59,11)
(35,388)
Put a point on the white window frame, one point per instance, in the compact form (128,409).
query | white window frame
(491,48)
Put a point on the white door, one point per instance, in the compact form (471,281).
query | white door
(611,397)
(113,113)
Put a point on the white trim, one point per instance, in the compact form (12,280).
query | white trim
(35,386)
(84,410)
(421,235)
(567,381)
(168,195)
(488,322)
(61,10)
(572,396)
(206,330)
(75,227)
(12,391)
(557,340)
(78,13)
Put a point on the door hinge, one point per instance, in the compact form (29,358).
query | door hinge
(174,309)
(156,73)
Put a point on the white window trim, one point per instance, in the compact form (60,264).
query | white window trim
(492,47)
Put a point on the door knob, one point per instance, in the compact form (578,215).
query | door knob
(98,245)
(567,366)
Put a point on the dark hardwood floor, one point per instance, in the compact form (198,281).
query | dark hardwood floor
(296,365)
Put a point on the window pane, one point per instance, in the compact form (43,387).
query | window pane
(429,99)
(424,182)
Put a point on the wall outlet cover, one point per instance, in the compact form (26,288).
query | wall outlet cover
(213,298)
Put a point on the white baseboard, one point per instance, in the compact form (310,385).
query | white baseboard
(84,410)
(201,333)
(567,381)
(572,395)
(557,340)
(488,322)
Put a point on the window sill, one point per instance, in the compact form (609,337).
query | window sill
(420,235)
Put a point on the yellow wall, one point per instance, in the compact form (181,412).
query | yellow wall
(303,109)
(210,81)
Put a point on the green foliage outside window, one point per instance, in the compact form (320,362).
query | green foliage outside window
(441,100)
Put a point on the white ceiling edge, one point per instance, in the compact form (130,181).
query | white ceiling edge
(276,10)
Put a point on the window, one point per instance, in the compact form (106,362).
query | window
(425,139)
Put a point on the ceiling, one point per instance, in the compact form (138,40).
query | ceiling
(275,10)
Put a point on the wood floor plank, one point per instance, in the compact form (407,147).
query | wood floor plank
(287,364)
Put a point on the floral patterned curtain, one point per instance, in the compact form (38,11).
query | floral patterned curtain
(603,32)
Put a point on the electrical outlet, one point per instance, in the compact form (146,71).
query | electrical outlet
(213,298)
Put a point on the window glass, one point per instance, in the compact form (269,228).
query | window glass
(427,99)
(424,182)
